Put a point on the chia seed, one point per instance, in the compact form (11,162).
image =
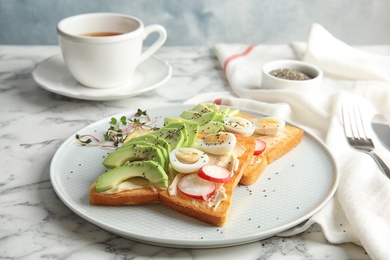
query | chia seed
(289,74)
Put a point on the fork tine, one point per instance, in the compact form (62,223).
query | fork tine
(346,121)
(359,122)
(353,122)
(357,138)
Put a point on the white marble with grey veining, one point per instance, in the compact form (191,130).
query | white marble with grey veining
(35,224)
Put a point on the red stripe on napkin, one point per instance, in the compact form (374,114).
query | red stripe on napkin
(218,101)
(235,56)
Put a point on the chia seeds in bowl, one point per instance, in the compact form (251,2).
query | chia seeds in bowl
(292,75)
(289,74)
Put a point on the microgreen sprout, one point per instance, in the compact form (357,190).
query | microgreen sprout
(124,120)
(142,113)
(119,129)
(86,139)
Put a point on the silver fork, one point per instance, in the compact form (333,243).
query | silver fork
(356,135)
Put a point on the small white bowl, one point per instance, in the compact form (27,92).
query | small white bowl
(312,85)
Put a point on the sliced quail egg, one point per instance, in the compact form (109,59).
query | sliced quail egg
(269,125)
(187,160)
(239,125)
(220,143)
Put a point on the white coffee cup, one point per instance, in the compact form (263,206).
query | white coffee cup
(110,59)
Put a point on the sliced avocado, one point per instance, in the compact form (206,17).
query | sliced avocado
(182,127)
(232,112)
(147,169)
(209,116)
(168,120)
(134,152)
(173,136)
(192,128)
(206,106)
(198,117)
(214,107)
(202,108)
(150,139)
(211,127)
(162,149)
(225,111)
(219,117)
(155,144)
(136,133)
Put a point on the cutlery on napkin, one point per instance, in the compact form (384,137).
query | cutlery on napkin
(360,210)
(382,129)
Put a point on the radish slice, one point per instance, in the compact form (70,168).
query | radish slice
(214,173)
(191,185)
(260,146)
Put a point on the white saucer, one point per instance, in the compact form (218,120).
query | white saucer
(52,75)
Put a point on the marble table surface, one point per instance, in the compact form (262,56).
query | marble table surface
(35,224)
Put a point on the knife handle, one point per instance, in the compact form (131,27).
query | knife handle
(381,164)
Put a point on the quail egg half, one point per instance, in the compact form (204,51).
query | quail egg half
(219,143)
(269,125)
(239,125)
(187,160)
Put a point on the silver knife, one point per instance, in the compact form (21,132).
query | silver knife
(382,130)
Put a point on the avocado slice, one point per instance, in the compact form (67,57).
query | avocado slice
(170,136)
(173,136)
(227,111)
(192,128)
(134,152)
(152,139)
(221,111)
(214,107)
(147,169)
(209,116)
(202,108)
(218,117)
(181,126)
(163,150)
(200,118)
(211,127)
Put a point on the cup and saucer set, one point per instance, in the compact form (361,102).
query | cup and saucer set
(52,75)
(102,58)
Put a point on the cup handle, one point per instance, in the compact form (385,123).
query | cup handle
(157,44)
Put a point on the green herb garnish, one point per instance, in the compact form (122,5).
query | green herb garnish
(119,129)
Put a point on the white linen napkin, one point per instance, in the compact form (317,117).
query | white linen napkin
(360,210)
(340,60)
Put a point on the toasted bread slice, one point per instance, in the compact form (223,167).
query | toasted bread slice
(279,145)
(276,147)
(131,197)
(199,209)
(255,168)
(249,169)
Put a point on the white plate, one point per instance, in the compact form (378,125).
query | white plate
(52,75)
(289,191)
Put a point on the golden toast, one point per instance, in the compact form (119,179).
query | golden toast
(214,211)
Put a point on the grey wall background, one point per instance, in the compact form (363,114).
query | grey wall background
(206,22)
